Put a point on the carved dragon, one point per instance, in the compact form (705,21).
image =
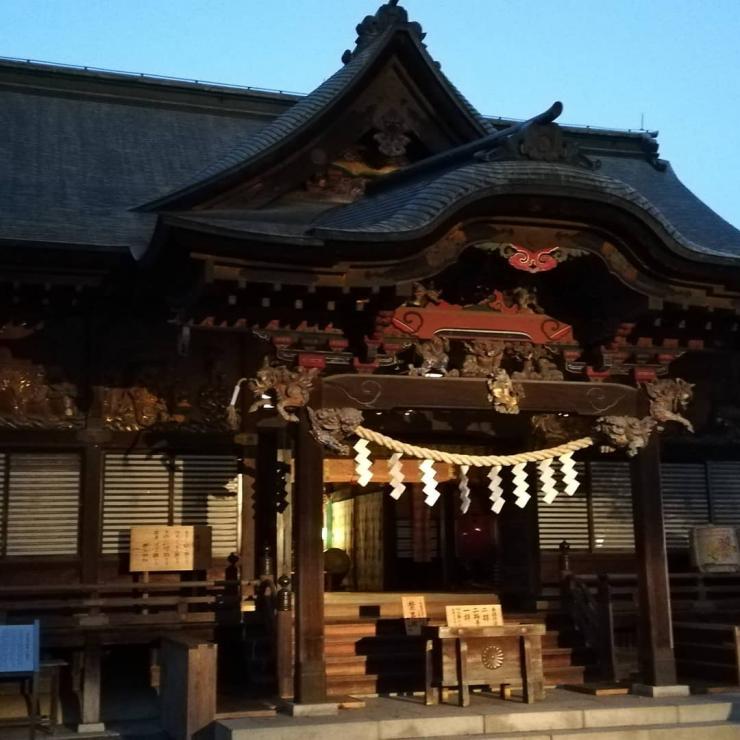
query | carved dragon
(331,427)
(291,388)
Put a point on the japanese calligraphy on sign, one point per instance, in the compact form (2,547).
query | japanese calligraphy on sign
(483,615)
(19,648)
(414,607)
(414,614)
(158,548)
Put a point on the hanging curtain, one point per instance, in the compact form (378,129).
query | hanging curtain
(421,527)
(368,542)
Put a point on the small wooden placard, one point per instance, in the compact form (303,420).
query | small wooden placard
(414,607)
(158,548)
(414,614)
(471,615)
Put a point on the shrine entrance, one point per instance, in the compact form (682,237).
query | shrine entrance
(326,424)
(401,544)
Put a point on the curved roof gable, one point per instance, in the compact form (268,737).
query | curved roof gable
(376,35)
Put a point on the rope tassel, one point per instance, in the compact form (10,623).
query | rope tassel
(395,472)
(363,465)
(496,489)
(430,482)
(547,481)
(519,476)
(570,474)
(464,489)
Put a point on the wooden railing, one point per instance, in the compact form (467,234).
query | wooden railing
(706,619)
(124,606)
(708,651)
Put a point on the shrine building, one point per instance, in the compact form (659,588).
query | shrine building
(270,362)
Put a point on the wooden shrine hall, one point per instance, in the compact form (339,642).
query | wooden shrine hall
(379,345)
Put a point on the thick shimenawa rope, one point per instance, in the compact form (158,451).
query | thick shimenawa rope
(453,458)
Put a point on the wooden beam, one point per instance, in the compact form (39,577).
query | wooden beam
(310,667)
(386,392)
(342,470)
(657,660)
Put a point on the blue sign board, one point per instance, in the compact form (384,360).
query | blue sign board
(19,648)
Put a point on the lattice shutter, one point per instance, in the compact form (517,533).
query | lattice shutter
(43,504)
(611,502)
(136,490)
(685,501)
(566,518)
(3,500)
(725,482)
(200,497)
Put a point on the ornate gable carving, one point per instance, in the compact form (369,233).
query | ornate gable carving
(387,16)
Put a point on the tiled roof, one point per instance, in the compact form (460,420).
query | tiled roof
(278,133)
(72,167)
(419,205)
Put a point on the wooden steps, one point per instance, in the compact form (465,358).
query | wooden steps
(368,652)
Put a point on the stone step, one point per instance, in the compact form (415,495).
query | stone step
(562,717)
(696,731)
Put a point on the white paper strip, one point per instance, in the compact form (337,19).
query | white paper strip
(464,488)
(430,482)
(570,474)
(496,489)
(363,465)
(395,471)
(519,477)
(547,481)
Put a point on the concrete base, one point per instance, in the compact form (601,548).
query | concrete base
(90,727)
(308,710)
(659,692)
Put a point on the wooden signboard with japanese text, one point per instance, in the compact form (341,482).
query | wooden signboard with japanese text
(173,548)
(414,607)
(414,614)
(471,615)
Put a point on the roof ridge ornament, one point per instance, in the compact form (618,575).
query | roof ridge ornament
(389,15)
(539,139)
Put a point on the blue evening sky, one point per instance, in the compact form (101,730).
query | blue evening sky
(675,62)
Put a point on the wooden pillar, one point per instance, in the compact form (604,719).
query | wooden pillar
(657,661)
(447,535)
(92,511)
(265,499)
(90,688)
(310,668)
(247,551)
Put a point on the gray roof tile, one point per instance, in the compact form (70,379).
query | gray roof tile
(417,206)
